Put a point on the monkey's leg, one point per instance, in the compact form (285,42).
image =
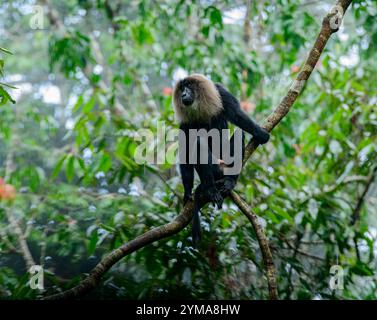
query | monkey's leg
(207,172)
(228,182)
(187,173)
(186,169)
(199,202)
(224,184)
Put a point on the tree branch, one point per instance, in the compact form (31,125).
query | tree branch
(360,201)
(297,250)
(183,219)
(356,212)
(263,244)
(141,241)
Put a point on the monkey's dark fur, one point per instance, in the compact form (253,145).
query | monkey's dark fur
(201,104)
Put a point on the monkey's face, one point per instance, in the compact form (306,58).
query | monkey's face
(187,96)
(187,93)
(196,98)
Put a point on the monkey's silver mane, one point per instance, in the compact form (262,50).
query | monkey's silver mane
(207,102)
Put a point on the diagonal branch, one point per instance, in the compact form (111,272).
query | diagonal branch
(263,244)
(183,219)
(360,201)
(141,241)
(359,205)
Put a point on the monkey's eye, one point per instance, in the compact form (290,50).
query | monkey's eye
(181,85)
(190,86)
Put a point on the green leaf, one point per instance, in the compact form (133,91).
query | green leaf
(78,104)
(93,243)
(5,50)
(105,163)
(5,96)
(142,34)
(215,16)
(121,20)
(58,167)
(70,168)
(362,269)
(8,85)
(81,163)
(88,106)
(281,212)
(107,228)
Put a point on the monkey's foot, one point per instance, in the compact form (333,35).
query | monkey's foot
(215,197)
(187,198)
(226,186)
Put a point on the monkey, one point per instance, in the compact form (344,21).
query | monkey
(201,104)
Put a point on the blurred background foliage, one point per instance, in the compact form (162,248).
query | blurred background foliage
(95,71)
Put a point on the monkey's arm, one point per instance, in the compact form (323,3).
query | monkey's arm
(234,114)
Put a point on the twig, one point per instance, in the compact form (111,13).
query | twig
(158,173)
(356,212)
(16,228)
(360,201)
(303,253)
(24,248)
(9,244)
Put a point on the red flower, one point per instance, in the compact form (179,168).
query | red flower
(7,191)
(248,106)
(295,69)
(167,91)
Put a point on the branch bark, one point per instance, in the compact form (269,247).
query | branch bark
(183,219)
(360,201)
(263,244)
(359,205)
(161,232)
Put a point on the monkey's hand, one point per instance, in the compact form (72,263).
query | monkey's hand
(214,196)
(261,136)
(227,185)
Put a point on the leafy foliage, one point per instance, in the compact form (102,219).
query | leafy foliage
(4,95)
(67,149)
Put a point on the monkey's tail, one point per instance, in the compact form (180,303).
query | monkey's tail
(196,228)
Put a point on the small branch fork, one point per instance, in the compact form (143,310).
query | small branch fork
(330,25)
